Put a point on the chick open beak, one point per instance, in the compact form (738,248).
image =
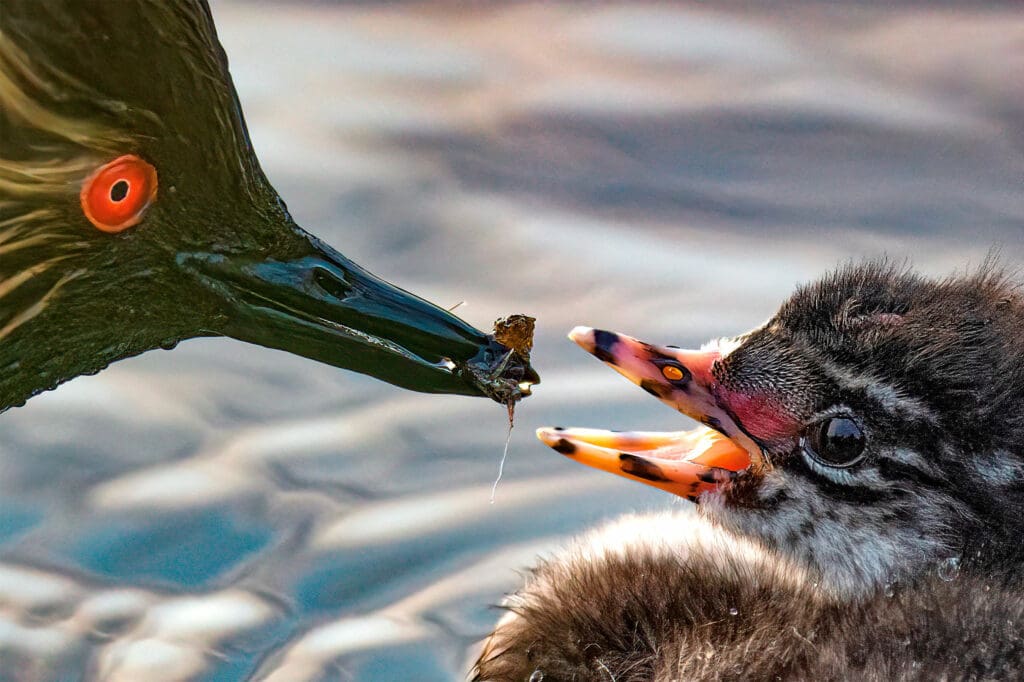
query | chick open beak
(686,463)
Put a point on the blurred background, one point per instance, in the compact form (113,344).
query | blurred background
(668,170)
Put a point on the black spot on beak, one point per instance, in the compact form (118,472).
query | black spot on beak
(563,446)
(717,476)
(604,344)
(641,468)
(652,387)
(707,477)
(714,423)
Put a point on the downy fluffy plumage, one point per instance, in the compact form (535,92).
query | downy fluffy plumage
(872,531)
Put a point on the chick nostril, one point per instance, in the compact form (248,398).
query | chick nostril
(672,373)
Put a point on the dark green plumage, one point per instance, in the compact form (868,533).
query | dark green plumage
(216,254)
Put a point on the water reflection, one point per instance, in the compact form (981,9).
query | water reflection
(666,170)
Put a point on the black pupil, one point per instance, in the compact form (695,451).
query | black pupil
(119,190)
(838,441)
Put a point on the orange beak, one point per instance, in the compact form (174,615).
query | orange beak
(686,463)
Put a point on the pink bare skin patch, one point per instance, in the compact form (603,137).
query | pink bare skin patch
(762,414)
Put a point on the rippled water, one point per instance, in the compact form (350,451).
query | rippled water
(670,171)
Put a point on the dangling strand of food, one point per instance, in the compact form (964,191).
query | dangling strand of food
(516,332)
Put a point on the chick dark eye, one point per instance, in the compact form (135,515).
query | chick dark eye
(835,442)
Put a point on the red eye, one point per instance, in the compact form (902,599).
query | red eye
(117,195)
